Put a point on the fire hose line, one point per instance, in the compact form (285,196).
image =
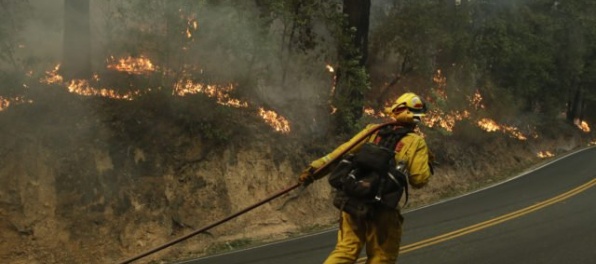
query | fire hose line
(247,209)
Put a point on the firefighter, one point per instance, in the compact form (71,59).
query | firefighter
(381,234)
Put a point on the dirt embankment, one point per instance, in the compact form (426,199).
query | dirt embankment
(100,185)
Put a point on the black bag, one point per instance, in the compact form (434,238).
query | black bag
(358,208)
(374,157)
(343,168)
(353,180)
(370,177)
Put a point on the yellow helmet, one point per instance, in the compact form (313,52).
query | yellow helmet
(408,104)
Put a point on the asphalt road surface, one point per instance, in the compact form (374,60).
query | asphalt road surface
(544,216)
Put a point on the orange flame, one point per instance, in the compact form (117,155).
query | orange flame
(192,26)
(4,103)
(447,120)
(82,87)
(277,122)
(130,65)
(191,23)
(7,102)
(330,68)
(437,117)
(545,154)
(583,126)
(476,100)
(333,86)
(52,77)
(490,125)
(181,88)
(371,112)
(221,93)
(441,82)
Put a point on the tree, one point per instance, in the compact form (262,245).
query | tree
(352,76)
(577,56)
(415,39)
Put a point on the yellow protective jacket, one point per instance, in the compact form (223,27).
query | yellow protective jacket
(412,150)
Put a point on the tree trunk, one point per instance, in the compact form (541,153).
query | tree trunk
(575,106)
(77,44)
(352,78)
(358,16)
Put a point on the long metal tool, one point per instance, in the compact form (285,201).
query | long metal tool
(196,232)
(245,210)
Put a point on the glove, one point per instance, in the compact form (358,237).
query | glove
(306,176)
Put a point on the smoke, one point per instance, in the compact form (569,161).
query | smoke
(256,48)
(241,43)
(235,43)
(41,37)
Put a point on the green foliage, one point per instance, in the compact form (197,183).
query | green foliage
(535,50)
(349,98)
(416,29)
(518,46)
(352,76)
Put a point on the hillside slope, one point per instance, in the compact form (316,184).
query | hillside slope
(87,180)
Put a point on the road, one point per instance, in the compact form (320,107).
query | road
(544,216)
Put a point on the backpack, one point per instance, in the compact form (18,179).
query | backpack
(370,178)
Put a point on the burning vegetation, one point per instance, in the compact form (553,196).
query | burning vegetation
(7,102)
(279,123)
(130,65)
(437,118)
(583,126)
(490,125)
(84,87)
(220,92)
(545,154)
(4,103)
(144,66)
(447,121)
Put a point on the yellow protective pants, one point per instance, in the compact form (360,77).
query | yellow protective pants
(381,235)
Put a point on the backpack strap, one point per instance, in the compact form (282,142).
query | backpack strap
(389,136)
(405,184)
